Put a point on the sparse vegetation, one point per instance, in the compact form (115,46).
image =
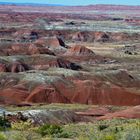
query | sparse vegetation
(50,106)
(55,131)
(22,126)
(116,129)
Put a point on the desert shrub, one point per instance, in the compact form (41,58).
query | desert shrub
(48,129)
(53,130)
(22,135)
(4,123)
(21,126)
(102,127)
(109,137)
(64,135)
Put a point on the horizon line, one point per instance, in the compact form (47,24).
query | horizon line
(45,4)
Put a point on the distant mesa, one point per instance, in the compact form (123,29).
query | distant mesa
(92,36)
(80,36)
(26,35)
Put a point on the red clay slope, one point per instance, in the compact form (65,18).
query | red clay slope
(130,113)
(79,50)
(74,91)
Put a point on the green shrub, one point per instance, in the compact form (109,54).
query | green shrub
(53,130)
(64,135)
(48,129)
(21,126)
(109,137)
(102,127)
(4,123)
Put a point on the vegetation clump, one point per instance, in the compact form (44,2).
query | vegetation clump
(53,130)
(4,123)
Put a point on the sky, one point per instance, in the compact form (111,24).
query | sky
(78,2)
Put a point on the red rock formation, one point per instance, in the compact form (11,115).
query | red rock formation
(101,111)
(70,91)
(13,96)
(33,49)
(88,92)
(97,92)
(79,50)
(51,42)
(23,35)
(26,49)
(130,113)
(45,94)
(78,36)
(3,67)
(102,37)
(100,93)
(55,62)
(17,67)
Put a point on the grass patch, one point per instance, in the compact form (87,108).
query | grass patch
(50,106)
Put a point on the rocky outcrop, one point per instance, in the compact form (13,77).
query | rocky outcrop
(102,37)
(15,66)
(79,50)
(51,42)
(34,49)
(81,93)
(45,94)
(69,88)
(25,49)
(13,96)
(92,92)
(40,117)
(56,63)
(3,67)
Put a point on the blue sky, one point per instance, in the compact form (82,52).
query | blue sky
(78,2)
